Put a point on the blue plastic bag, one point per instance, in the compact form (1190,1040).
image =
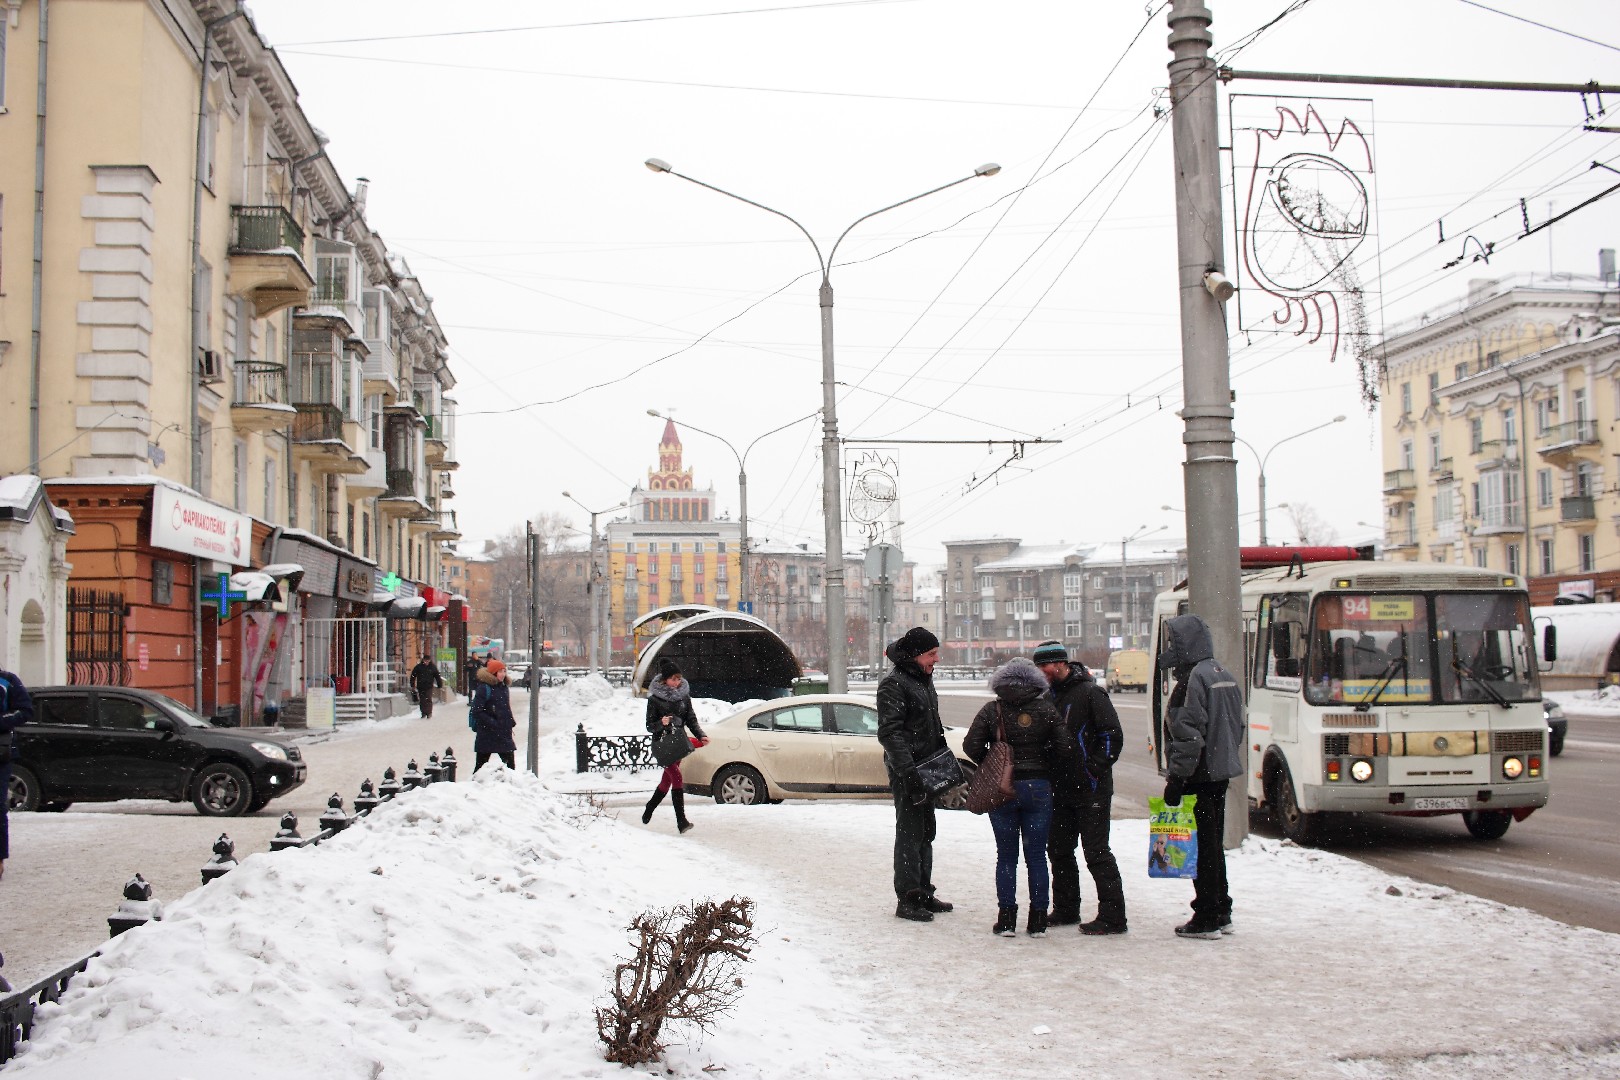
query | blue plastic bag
(1172,839)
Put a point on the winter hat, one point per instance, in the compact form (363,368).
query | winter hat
(1050,652)
(913,644)
(667,667)
(496,668)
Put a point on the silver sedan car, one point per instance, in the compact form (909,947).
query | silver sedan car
(818,746)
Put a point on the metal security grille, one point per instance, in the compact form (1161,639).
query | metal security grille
(349,654)
(1335,745)
(95,638)
(1517,742)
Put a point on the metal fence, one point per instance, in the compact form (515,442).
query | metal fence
(95,638)
(348,654)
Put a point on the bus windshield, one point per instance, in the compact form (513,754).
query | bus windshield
(1403,648)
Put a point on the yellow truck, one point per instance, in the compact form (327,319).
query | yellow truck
(1129,669)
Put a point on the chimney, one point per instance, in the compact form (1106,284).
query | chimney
(361,186)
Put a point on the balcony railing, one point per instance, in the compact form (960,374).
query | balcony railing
(1574,433)
(260,384)
(331,291)
(1500,518)
(1441,468)
(318,423)
(1578,508)
(401,484)
(1498,450)
(265,228)
(1399,480)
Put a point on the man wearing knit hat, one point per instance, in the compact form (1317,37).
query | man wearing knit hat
(910,730)
(1082,802)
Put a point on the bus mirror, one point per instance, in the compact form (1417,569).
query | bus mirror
(1549,643)
(1281,643)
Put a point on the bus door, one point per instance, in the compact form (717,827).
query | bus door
(1279,667)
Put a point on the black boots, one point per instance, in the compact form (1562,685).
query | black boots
(678,797)
(1099,926)
(1037,922)
(652,804)
(914,906)
(935,904)
(1006,922)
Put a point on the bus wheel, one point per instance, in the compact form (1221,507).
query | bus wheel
(1487,824)
(1295,823)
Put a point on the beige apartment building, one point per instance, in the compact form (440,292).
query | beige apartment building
(209,356)
(1500,441)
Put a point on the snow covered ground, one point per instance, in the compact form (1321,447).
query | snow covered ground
(470,929)
(1589,703)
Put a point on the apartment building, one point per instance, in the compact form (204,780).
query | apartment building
(1499,442)
(209,356)
(1002,597)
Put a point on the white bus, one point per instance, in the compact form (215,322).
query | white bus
(1380,687)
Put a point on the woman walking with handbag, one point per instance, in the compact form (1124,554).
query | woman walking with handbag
(669,717)
(1024,719)
(492,709)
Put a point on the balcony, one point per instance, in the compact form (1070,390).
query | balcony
(1497,454)
(317,435)
(1400,541)
(447,528)
(374,480)
(402,498)
(266,259)
(259,398)
(437,443)
(1400,481)
(1562,442)
(1500,519)
(1441,470)
(1577,508)
(330,305)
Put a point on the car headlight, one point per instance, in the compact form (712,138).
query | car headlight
(1512,768)
(1552,710)
(273,751)
(1361,770)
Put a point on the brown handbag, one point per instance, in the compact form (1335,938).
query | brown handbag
(992,782)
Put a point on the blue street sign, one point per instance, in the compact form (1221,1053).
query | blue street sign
(745,606)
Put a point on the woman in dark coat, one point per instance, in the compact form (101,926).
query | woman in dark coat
(492,705)
(1041,750)
(669,704)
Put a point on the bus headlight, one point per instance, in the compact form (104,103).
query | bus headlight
(1512,768)
(1361,770)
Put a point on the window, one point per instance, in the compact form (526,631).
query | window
(128,714)
(1510,426)
(1434,388)
(1046,629)
(1583,479)
(1009,631)
(1476,434)
(854,719)
(1407,460)
(62,711)
(1072,629)
(1072,584)
(958,608)
(1479,558)
(799,718)
(675,547)
(1096,581)
(1587,555)
(697,547)
(1544,487)
(1460,372)
(1009,607)
(974,608)
(1434,452)
(652,547)
(240,460)
(1545,549)
(1580,406)
(720,546)
(1513,558)
(1546,408)
(985,582)
(1096,607)
(1406,398)
(1158,578)
(1073,604)
(1046,607)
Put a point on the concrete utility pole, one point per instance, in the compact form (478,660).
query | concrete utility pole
(1210,477)
(531,552)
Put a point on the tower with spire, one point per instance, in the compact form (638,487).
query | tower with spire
(669,494)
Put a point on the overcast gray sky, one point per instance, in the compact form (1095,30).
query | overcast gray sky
(504,143)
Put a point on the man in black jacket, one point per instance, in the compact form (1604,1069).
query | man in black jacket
(1082,803)
(910,729)
(424,678)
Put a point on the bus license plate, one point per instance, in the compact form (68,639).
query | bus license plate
(1449,803)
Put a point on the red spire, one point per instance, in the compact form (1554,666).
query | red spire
(670,438)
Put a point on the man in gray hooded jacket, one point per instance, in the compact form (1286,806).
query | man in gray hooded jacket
(1205,751)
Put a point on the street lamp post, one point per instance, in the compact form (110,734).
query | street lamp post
(1129,602)
(1263,458)
(742,485)
(831,496)
(593,585)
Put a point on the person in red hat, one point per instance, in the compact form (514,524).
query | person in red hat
(492,707)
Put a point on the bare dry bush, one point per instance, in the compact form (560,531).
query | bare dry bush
(683,970)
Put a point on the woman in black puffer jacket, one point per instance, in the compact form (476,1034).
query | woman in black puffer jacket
(1040,751)
(669,704)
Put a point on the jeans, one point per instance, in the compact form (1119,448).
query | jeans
(1028,816)
(1211,901)
(914,831)
(1086,827)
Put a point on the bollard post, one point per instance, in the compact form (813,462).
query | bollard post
(434,771)
(223,861)
(390,785)
(288,835)
(582,750)
(449,763)
(413,776)
(367,800)
(334,818)
(137,909)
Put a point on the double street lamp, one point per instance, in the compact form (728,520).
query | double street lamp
(831,495)
(1128,601)
(594,587)
(742,486)
(1263,458)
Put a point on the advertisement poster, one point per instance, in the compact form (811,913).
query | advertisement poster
(320,708)
(265,658)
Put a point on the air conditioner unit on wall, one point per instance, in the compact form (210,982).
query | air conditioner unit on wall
(210,366)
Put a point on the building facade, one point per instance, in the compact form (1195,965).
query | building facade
(214,363)
(1003,597)
(1498,434)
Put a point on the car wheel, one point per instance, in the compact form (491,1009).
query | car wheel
(1555,743)
(956,797)
(221,790)
(1487,824)
(23,791)
(1295,824)
(740,785)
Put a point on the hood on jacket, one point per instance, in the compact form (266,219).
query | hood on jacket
(1017,680)
(1078,673)
(1190,642)
(489,678)
(661,690)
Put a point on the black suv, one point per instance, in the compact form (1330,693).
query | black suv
(103,743)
